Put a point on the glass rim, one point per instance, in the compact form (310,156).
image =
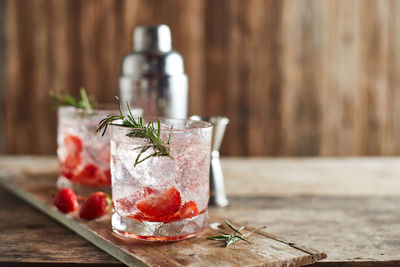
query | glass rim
(204,124)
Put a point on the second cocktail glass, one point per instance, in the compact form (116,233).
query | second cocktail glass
(84,155)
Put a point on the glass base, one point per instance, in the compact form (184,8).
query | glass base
(159,231)
(79,189)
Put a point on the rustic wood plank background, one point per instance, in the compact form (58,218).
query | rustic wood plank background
(297,77)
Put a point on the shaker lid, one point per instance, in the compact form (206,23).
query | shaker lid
(152,53)
(152,38)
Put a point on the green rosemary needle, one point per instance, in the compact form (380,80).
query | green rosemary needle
(66,99)
(139,129)
(229,239)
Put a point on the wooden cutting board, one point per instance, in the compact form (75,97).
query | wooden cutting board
(265,249)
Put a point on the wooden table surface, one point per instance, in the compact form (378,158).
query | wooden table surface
(346,207)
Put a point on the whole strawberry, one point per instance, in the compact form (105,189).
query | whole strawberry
(97,205)
(66,200)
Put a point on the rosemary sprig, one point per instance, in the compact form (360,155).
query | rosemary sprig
(229,239)
(66,99)
(139,129)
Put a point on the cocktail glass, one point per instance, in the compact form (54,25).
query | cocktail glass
(84,156)
(161,198)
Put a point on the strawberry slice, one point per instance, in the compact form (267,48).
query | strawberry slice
(188,210)
(71,162)
(145,191)
(123,205)
(93,176)
(74,147)
(66,171)
(140,216)
(127,204)
(158,205)
(107,174)
(103,177)
(73,144)
(89,175)
(66,200)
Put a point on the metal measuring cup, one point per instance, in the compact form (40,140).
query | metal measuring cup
(217,187)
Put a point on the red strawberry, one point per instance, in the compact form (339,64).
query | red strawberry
(66,200)
(73,159)
(89,175)
(65,171)
(107,173)
(127,204)
(189,210)
(159,205)
(140,216)
(73,143)
(174,217)
(145,191)
(97,205)
(123,205)
(68,167)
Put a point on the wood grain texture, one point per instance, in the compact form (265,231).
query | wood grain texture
(22,234)
(3,52)
(296,77)
(265,249)
(346,207)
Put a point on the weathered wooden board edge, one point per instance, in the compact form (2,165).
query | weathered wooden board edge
(8,182)
(315,254)
(70,223)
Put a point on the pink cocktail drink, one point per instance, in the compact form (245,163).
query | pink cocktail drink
(84,155)
(161,197)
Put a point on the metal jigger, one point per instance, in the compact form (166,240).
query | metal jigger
(217,187)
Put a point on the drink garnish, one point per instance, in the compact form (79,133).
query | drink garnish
(86,103)
(139,129)
(229,239)
(66,200)
(96,205)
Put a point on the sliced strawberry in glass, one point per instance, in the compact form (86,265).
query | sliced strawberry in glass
(89,175)
(71,162)
(73,144)
(140,216)
(127,204)
(188,210)
(174,217)
(145,191)
(158,205)
(107,174)
(124,205)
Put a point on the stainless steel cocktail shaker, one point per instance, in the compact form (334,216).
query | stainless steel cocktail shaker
(153,76)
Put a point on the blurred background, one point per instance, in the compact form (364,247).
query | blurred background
(295,77)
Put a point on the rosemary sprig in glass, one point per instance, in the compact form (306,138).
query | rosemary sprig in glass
(66,99)
(229,239)
(139,129)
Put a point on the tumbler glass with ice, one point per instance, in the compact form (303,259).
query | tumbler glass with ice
(161,197)
(84,155)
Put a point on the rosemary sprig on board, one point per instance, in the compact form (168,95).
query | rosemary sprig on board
(66,99)
(229,239)
(139,129)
